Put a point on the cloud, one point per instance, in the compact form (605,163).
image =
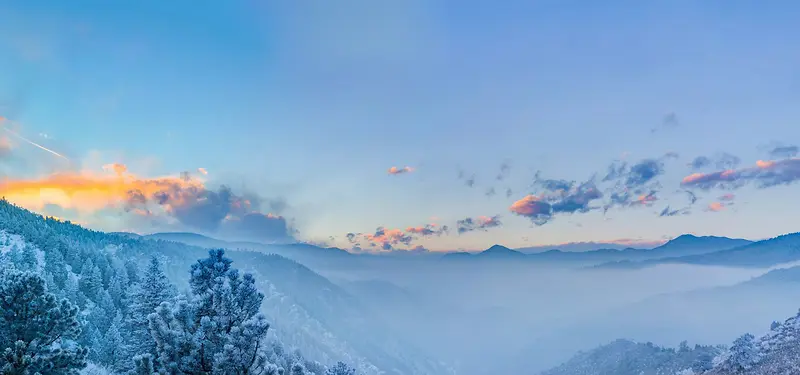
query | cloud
(203,171)
(727,197)
(490,192)
(784,152)
(505,168)
(480,223)
(764,174)
(643,172)
(382,238)
(667,211)
(722,160)
(716,206)
(470,181)
(5,147)
(509,193)
(634,185)
(428,230)
(185,199)
(700,162)
(534,208)
(259,227)
(396,170)
(670,120)
(557,196)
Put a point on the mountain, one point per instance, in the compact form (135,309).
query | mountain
(764,253)
(457,255)
(626,357)
(775,352)
(311,255)
(500,252)
(585,246)
(305,309)
(689,244)
(683,245)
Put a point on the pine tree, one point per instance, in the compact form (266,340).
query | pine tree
(56,268)
(25,258)
(91,282)
(219,331)
(340,369)
(744,353)
(36,331)
(112,351)
(145,297)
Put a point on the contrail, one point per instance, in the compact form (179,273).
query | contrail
(33,143)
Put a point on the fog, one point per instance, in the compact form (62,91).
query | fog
(530,317)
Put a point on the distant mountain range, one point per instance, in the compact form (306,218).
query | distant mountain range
(684,249)
(684,245)
(764,253)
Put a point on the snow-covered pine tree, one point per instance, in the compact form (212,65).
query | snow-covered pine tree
(112,351)
(145,296)
(36,331)
(219,331)
(340,369)
(743,353)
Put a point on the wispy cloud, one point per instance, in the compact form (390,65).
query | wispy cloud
(764,174)
(784,152)
(721,160)
(716,206)
(667,211)
(479,223)
(5,147)
(396,170)
(428,230)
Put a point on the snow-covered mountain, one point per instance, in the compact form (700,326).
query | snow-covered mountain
(306,311)
(626,357)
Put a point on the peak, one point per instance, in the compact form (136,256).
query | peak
(498,249)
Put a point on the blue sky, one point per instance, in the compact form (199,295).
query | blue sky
(311,102)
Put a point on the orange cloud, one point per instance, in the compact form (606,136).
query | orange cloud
(202,171)
(716,207)
(530,205)
(89,192)
(396,170)
(765,164)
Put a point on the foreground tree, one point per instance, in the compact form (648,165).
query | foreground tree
(217,331)
(146,295)
(37,332)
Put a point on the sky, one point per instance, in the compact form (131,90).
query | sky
(373,126)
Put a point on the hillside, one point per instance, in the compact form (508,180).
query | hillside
(625,357)
(306,310)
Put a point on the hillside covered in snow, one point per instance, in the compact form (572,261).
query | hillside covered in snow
(131,295)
